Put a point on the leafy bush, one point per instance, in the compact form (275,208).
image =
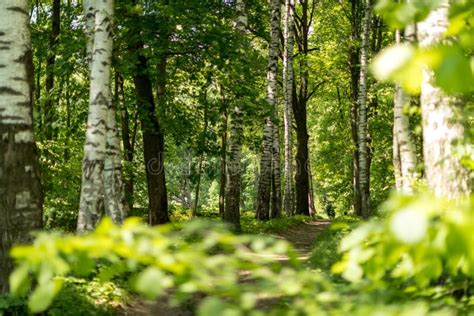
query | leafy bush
(423,246)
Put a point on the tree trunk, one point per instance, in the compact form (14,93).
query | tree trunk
(276,174)
(202,149)
(270,149)
(354,66)
(265,178)
(128,140)
(299,110)
(403,145)
(153,145)
(232,200)
(222,184)
(288,203)
(100,100)
(364,172)
(49,110)
(441,120)
(20,188)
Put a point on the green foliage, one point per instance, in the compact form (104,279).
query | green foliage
(450,59)
(324,254)
(252,226)
(423,246)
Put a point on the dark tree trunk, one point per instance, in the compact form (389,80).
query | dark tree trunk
(300,100)
(302,176)
(128,140)
(153,144)
(49,110)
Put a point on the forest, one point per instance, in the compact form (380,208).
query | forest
(237,157)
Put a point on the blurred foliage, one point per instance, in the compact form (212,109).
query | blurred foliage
(417,259)
(451,58)
(422,246)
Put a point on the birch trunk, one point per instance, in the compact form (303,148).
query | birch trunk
(223,175)
(288,114)
(232,200)
(20,188)
(276,174)
(271,151)
(441,120)
(272,96)
(404,150)
(101,170)
(362,116)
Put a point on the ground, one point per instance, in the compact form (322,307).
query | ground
(300,236)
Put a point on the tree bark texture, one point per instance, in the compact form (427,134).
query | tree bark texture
(48,108)
(404,150)
(354,67)
(233,182)
(20,188)
(288,203)
(101,167)
(362,131)
(441,119)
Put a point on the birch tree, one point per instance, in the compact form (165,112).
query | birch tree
(232,199)
(101,168)
(404,150)
(364,172)
(441,119)
(20,188)
(288,203)
(270,160)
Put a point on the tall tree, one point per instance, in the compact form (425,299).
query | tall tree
(20,188)
(232,200)
(270,155)
(302,27)
(288,203)
(48,108)
(362,131)
(404,150)
(101,168)
(441,119)
(354,68)
(153,137)
(223,132)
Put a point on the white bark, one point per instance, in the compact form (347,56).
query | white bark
(362,117)
(232,199)
(270,146)
(441,115)
(403,144)
(20,188)
(288,114)
(100,180)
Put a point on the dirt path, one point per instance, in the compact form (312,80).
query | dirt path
(301,236)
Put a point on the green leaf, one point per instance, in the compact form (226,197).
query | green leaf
(454,74)
(20,281)
(152,282)
(43,296)
(211,306)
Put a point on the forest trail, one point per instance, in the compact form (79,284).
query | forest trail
(301,236)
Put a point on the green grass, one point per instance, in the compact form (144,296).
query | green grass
(325,251)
